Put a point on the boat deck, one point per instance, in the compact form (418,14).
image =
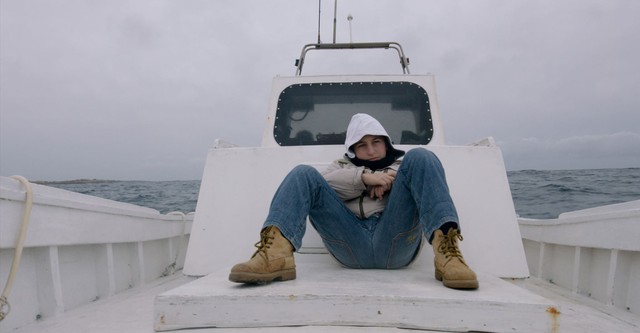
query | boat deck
(342,300)
(328,294)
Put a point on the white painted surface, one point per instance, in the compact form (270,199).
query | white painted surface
(238,185)
(593,252)
(80,248)
(628,207)
(67,218)
(235,195)
(132,311)
(609,227)
(326,294)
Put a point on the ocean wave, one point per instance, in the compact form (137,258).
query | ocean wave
(536,193)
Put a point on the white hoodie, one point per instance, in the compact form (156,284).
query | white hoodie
(346,178)
(362,124)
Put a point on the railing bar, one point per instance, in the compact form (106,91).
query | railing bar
(404,61)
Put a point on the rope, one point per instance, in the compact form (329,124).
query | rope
(4,302)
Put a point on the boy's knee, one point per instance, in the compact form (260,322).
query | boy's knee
(420,153)
(305,169)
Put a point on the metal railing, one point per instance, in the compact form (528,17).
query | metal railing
(404,61)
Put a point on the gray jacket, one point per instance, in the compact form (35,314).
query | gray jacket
(346,179)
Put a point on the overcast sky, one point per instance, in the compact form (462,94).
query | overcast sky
(128,90)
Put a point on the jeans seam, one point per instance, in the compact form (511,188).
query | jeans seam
(396,238)
(345,245)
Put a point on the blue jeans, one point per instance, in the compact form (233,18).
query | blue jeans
(418,203)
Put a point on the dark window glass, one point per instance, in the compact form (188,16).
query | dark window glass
(318,113)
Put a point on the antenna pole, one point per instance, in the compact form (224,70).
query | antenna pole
(319,6)
(335,12)
(350,18)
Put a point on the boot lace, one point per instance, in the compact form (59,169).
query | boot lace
(449,245)
(266,240)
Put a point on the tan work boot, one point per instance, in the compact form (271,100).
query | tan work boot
(450,266)
(272,261)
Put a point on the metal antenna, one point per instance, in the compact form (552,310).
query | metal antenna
(319,7)
(350,18)
(335,12)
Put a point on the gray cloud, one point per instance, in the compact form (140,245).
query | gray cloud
(621,149)
(140,89)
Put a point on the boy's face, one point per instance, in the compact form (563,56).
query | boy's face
(370,148)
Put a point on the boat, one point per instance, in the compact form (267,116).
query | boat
(76,263)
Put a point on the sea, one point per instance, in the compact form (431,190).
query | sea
(539,194)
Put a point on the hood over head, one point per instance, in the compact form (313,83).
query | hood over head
(362,124)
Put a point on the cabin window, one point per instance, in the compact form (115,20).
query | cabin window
(318,113)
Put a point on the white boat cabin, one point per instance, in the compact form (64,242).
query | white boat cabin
(306,124)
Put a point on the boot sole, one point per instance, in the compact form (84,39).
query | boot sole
(458,284)
(247,277)
(461,284)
